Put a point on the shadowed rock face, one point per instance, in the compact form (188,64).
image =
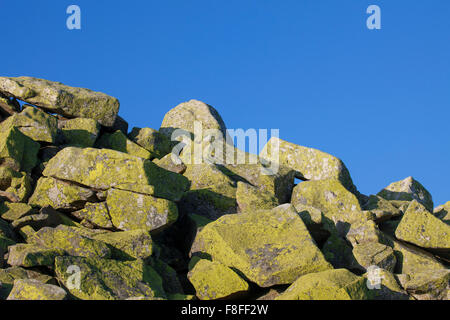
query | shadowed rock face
(100,213)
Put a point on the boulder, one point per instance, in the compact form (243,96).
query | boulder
(269,247)
(250,198)
(14,211)
(308,163)
(96,214)
(28,255)
(339,284)
(103,169)
(70,239)
(58,98)
(384,285)
(105,279)
(35,124)
(184,115)
(443,212)
(429,285)
(167,163)
(420,227)
(212,193)
(151,140)
(29,289)
(213,280)
(408,189)
(60,195)
(9,275)
(80,132)
(128,245)
(375,254)
(382,209)
(339,206)
(17,151)
(47,217)
(120,142)
(132,211)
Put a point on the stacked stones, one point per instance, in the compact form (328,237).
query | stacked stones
(92,211)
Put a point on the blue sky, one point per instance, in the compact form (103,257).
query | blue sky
(378,99)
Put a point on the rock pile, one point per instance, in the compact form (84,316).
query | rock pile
(90,210)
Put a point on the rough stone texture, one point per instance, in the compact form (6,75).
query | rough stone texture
(104,169)
(151,140)
(58,98)
(35,124)
(339,206)
(375,254)
(443,212)
(80,132)
(59,195)
(382,209)
(430,285)
(337,284)
(9,275)
(213,280)
(131,211)
(184,115)
(29,289)
(104,279)
(26,255)
(408,190)
(384,285)
(309,163)
(422,228)
(71,240)
(275,248)
(96,214)
(119,141)
(250,198)
(169,164)
(14,211)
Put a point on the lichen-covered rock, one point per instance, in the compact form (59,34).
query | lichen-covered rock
(9,275)
(212,193)
(365,232)
(339,206)
(70,239)
(104,169)
(339,253)
(429,285)
(375,254)
(119,142)
(420,227)
(17,151)
(29,289)
(213,280)
(184,115)
(443,212)
(8,106)
(338,284)
(35,124)
(171,283)
(151,140)
(309,164)
(384,285)
(26,255)
(104,279)
(131,211)
(382,209)
(20,186)
(408,189)
(58,98)
(47,217)
(134,244)
(250,198)
(95,213)
(6,230)
(169,164)
(411,260)
(59,194)
(313,219)
(275,248)
(14,211)
(80,132)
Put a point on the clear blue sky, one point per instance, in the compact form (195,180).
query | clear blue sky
(379,100)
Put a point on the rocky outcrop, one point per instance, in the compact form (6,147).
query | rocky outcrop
(91,211)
